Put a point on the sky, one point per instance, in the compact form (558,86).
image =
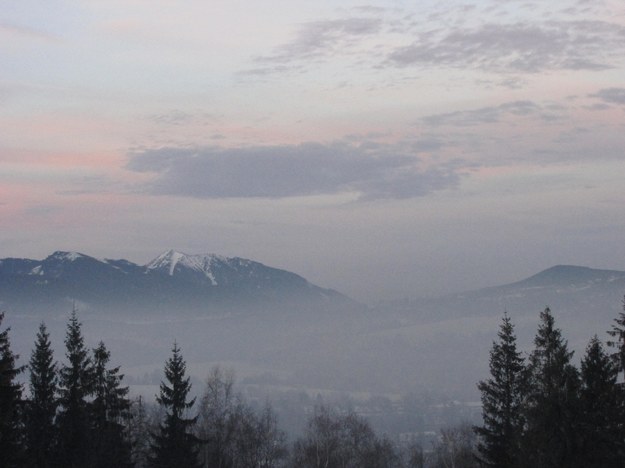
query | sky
(390,149)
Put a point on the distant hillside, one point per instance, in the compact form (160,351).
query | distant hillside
(572,277)
(173,282)
(444,342)
(574,292)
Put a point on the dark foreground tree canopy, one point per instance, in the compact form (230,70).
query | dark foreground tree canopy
(42,407)
(563,417)
(174,443)
(539,410)
(11,442)
(502,401)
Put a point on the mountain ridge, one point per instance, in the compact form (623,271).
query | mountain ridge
(172,279)
(575,292)
(571,275)
(557,275)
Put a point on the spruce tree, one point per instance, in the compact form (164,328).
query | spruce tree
(502,401)
(601,411)
(174,445)
(617,332)
(75,389)
(41,408)
(552,403)
(109,412)
(11,442)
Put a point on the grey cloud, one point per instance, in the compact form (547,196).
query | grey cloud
(375,171)
(512,83)
(599,106)
(611,95)
(177,117)
(450,39)
(495,114)
(267,70)
(359,138)
(517,47)
(488,38)
(319,38)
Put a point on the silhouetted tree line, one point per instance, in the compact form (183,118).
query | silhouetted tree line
(75,414)
(539,411)
(78,415)
(544,412)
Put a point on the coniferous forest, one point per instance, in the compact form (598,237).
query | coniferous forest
(539,410)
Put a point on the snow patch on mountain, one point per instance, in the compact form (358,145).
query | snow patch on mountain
(170,260)
(66,256)
(166,261)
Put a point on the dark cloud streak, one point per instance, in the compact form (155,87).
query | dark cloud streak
(465,37)
(319,38)
(178,117)
(518,47)
(611,95)
(496,114)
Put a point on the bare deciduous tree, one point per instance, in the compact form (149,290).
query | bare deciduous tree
(342,441)
(233,435)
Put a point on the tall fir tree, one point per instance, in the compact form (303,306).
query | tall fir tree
(41,408)
(174,445)
(11,429)
(617,332)
(602,416)
(502,402)
(75,389)
(110,409)
(552,403)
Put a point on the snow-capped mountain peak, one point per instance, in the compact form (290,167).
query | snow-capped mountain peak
(173,261)
(173,279)
(166,261)
(65,256)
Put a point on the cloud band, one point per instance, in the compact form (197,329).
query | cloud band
(372,171)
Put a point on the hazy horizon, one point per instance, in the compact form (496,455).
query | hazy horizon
(369,302)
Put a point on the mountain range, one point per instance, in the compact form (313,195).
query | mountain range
(220,310)
(188,283)
(206,283)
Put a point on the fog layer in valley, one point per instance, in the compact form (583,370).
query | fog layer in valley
(424,353)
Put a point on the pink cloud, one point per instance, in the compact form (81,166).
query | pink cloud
(63,159)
